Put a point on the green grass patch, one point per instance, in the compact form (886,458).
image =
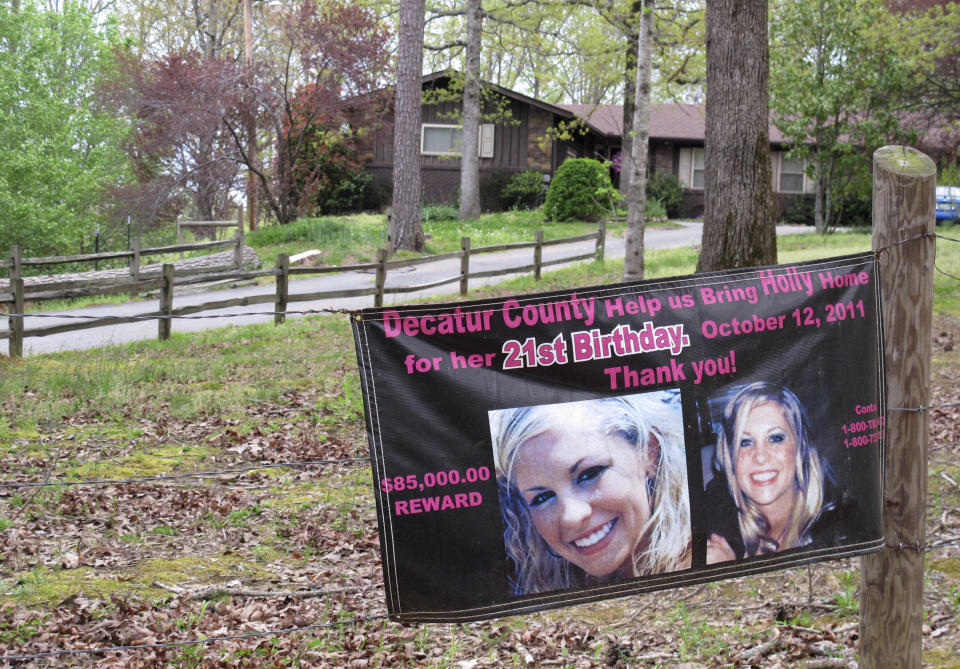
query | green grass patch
(341,239)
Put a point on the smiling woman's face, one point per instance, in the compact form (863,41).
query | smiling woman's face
(587,495)
(767,458)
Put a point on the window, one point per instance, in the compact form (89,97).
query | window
(440,140)
(444,140)
(697,180)
(791,175)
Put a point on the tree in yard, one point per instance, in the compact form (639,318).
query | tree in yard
(331,62)
(635,159)
(59,147)
(329,177)
(738,229)
(179,144)
(927,40)
(406,228)
(836,87)
(469,147)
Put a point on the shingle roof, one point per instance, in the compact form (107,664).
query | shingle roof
(668,121)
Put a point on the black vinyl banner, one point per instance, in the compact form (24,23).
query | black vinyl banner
(542,450)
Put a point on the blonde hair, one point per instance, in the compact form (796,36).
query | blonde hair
(652,424)
(808,482)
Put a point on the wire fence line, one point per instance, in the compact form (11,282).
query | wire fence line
(212,473)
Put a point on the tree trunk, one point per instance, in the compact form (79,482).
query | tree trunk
(738,228)
(469,156)
(406,229)
(635,162)
(820,194)
(629,98)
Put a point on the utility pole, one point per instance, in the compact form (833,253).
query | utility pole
(250,120)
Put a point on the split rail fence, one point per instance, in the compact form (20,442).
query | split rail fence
(163,278)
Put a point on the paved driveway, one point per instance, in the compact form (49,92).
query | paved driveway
(687,234)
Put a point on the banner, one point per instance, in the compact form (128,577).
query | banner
(543,450)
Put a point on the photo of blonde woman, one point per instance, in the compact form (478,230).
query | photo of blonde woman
(592,491)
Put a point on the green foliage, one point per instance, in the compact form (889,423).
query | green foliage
(799,211)
(328,176)
(347,194)
(525,190)
(502,228)
(654,209)
(492,184)
(848,603)
(666,188)
(57,148)
(835,85)
(438,213)
(580,190)
(949,175)
(323,232)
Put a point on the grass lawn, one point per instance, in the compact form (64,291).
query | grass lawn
(100,565)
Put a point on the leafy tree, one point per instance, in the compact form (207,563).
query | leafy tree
(837,85)
(329,177)
(927,40)
(179,145)
(332,59)
(58,146)
(738,229)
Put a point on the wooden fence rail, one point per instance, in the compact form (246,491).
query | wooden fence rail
(164,279)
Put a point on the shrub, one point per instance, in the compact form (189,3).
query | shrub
(854,209)
(580,190)
(667,189)
(525,190)
(654,209)
(492,185)
(438,213)
(799,211)
(345,195)
(378,193)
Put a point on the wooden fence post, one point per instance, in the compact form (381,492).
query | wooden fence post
(16,285)
(238,249)
(891,608)
(283,273)
(16,322)
(135,260)
(464,265)
(135,264)
(381,277)
(166,302)
(180,234)
(601,240)
(537,253)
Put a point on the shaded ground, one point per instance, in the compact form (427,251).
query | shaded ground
(251,552)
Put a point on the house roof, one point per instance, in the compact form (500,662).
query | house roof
(672,121)
(559,110)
